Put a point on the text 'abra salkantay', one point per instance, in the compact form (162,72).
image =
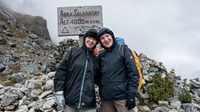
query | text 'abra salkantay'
(77,13)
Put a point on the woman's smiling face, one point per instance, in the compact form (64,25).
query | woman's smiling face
(90,42)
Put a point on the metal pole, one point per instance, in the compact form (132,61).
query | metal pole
(80,40)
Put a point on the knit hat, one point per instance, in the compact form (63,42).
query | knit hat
(92,33)
(105,31)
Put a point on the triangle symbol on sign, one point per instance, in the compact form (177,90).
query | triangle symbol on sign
(65,30)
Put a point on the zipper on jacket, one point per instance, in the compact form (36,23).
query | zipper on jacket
(83,81)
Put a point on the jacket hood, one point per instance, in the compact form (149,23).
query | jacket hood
(106,31)
(92,33)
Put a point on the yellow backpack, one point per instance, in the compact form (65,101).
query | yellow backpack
(137,62)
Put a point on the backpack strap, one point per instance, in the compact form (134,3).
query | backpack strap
(121,50)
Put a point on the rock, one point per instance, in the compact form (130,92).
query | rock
(2,41)
(22,108)
(9,99)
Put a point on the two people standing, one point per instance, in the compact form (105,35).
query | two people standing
(78,72)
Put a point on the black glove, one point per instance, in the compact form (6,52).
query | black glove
(130,102)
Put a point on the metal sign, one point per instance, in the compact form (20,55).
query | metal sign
(78,20)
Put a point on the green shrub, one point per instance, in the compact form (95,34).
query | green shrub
(161,88)
(185,96)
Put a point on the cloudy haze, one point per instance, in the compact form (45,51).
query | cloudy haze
(165,30)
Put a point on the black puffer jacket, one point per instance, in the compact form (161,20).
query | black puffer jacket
(75,76)
(78,88)
(119,76)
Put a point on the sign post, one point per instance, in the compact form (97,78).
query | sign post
(78,20)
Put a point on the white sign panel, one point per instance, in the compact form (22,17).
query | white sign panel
(78,20)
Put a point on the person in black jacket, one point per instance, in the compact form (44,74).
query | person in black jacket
(119,76)
(74,79)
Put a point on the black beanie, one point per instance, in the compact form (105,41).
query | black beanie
(92,33)
(104,31)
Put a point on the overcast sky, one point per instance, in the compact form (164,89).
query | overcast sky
(167,31)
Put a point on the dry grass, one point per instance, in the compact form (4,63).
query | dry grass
(15,68)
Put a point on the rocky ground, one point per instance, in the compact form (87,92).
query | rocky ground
(28,62)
